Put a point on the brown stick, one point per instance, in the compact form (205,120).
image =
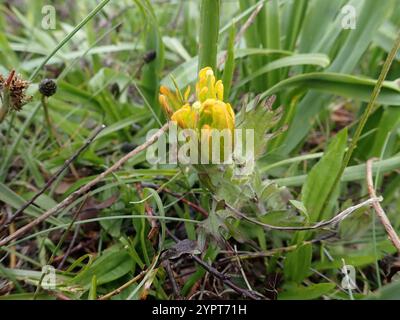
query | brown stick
(13,257)
(67,201)
(174,284)
(379,210)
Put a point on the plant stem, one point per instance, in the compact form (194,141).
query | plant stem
(209,30)
(47,118)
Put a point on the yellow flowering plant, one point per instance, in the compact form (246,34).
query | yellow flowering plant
(206,113)
(209,111)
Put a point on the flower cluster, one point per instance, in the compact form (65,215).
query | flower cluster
(208,112)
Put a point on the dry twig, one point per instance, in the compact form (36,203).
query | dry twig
(379,210)
(242,30)
(335,220)
(123,287)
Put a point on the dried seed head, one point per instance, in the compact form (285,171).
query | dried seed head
(16,87)
(48,87)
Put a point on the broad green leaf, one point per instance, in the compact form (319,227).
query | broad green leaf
(294,60)
(297,263)
(319,25)
(295,20)
(322,176)
(386,37)
(114,263)
(269,30)
(354,87)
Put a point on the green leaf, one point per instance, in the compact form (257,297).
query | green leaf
(209,31)
(388,292)
(296,18)
(354,87)
(114,263)
(298,263)
(28,296)
(14,200)
(313,291)
(229,67)
(270,34)
(93,289)
(294,60)
(322,176)
(389,121)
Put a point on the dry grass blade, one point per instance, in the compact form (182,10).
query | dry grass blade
(394,238)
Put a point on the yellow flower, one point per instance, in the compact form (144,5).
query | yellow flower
(209,111)
(217,115)
(169,102)
(186,117)
(207,88)
(209,108)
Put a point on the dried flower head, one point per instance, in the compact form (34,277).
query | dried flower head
(13,91)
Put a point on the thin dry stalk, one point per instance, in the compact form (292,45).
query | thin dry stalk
(123,287)
(334,221)
(379,210)
(242,30)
